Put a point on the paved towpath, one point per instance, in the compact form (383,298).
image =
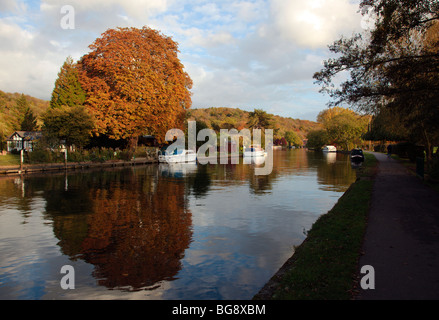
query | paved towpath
(402,237)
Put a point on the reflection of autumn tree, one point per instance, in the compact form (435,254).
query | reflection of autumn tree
(133,227)
(137,238)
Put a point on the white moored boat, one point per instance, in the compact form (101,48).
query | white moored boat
(329,149)
(179,155)
(254,151)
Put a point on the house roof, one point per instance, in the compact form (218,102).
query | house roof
(26,135)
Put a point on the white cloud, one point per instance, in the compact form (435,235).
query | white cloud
(248,11)
(23,67)
(14,36)
(315,23)
(137,9)
(239,53)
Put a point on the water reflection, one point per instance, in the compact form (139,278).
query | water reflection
(356,164)
(179,230)
(133,227)
(330,157)
(177,170)
(336,173)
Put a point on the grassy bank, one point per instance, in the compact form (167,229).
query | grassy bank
(100,155)
(10,160)
(325,264)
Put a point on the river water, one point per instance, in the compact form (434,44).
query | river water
(182,231)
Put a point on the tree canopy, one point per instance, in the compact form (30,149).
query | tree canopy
(68,90)
(135,83)
(29,122)
(395,66)
(293,139)
(66,120)
(317,139)
(343,127)
(72,125)
(259,119)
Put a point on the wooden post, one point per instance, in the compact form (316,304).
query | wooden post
(21,159)
(65,158)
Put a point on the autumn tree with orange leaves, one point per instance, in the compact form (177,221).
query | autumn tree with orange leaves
(135,84)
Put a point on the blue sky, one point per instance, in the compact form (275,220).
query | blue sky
(239,53)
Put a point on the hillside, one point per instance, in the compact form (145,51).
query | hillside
(10,114)
(227,118)
(214,118)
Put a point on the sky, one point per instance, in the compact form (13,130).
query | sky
(243,54)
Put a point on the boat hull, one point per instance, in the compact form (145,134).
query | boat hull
(357,158)
(329,149)
(254,153)
(178,158)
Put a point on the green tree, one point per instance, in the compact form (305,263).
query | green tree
(317,139)
(66,119)
(259,119)
(21,106)
(386,126)
(394,67)
(346,130)
(68,90)
(343,127)
(3,137)
(29,122)
(70,124)
(293,139)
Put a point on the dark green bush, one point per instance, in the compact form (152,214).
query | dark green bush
(434,169)
(42,155)
(125,155)
(408,150)
(380,148)
(75,156)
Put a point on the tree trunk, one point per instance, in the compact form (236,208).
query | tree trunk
(428,147)
(133,143)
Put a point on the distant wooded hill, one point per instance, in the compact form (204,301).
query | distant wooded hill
(215,118)
(12,110)
(228,118)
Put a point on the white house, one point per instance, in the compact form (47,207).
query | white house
(23,140)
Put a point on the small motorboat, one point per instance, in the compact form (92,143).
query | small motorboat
(329,149)
(254,151)
(179,155)
(357,155)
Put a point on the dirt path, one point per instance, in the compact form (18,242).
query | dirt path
(402,236)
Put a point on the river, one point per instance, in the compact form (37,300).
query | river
(160,231)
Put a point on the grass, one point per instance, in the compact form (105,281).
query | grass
(10,160)
(369,168)
(324,266)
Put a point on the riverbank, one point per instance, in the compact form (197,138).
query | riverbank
(324,266)
(50,167)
